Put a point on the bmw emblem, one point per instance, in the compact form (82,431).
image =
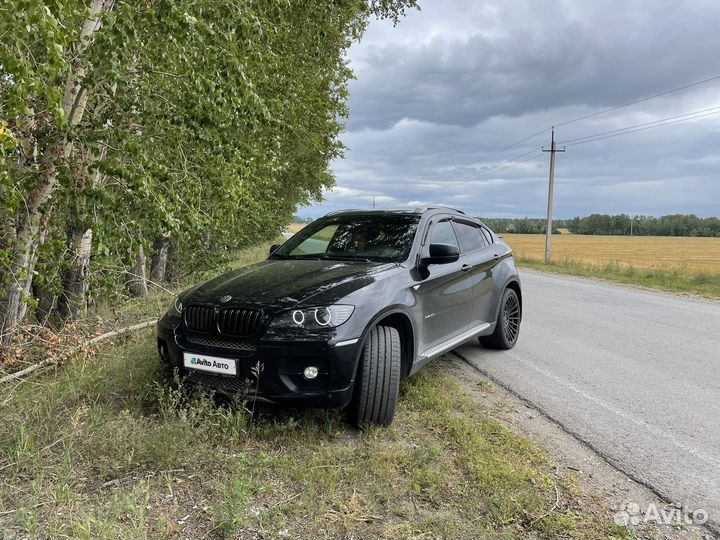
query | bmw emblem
(226,298)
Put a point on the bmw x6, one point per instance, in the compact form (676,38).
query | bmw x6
(345,308)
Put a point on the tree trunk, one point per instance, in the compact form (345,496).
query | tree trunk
(73,302)
(46,309)
(28,234)
(160,258)
(135,280)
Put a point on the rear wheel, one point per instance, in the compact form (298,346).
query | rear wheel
(507,327)
(378,382)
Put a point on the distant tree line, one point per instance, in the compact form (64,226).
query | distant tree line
(616,225)
(521,226)
(672,225)
(306,220)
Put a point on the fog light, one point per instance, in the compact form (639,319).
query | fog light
(310,372)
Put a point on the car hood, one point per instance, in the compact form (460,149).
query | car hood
(275,285)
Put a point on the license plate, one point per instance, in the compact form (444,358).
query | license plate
(203,362)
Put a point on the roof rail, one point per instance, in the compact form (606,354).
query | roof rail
(333,212)
(417,209)
(437,207)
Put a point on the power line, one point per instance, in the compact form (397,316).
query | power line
(513,145)
(643,124)
(500,166)
(647,98)
(630,130)
(503,149)
(573,142)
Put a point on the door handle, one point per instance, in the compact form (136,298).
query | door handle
(465,268)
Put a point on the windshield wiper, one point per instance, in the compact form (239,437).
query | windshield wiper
(346,258)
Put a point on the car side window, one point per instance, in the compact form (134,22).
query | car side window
(487,235)
(471,237)
(443,233)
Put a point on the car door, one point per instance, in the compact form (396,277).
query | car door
(446,293)
(480,256)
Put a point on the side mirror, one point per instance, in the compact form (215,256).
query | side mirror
(273,248)
(441,254)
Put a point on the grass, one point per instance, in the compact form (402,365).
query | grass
(702,284)
(103,447)
(685,255)
(676,264)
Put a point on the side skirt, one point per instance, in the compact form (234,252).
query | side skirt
(448,345)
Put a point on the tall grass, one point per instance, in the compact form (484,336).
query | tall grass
(106,447)
(677,280)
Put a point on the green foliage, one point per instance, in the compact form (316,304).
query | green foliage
(620,225)
(110,451)
(616,225)
(206,121)
(519,226)
(681,280)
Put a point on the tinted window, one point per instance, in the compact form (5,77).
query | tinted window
(470,236)
(377,237)
(317,243)
(443,234)
(487,235)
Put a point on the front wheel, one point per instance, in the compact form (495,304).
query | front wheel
(378,378)
(507,327)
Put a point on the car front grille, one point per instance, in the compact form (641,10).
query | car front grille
(211,341)
(238,322)
(231,384)
(200,318)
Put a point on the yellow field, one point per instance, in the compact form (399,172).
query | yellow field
(295,227)
(643,252)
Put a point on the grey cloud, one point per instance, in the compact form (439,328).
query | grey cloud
(460,79)
(546,57)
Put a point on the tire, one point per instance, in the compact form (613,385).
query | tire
(378,382)
(507,327)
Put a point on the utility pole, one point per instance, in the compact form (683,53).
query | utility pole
(373,201)
(551,186)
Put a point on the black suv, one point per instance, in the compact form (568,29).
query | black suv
(345,308)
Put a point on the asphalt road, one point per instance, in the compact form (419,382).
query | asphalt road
(634,374)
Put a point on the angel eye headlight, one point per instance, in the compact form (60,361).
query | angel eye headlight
(314,318)
(323,316)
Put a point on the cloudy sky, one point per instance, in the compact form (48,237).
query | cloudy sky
(437,96)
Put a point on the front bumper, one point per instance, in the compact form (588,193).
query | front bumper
(282,363)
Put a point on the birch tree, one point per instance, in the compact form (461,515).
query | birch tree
(130,124)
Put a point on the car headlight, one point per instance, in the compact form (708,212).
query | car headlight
(175,308)
(314,318)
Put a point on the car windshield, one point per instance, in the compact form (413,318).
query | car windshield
(383,238)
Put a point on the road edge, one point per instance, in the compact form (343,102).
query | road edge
(711,528)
